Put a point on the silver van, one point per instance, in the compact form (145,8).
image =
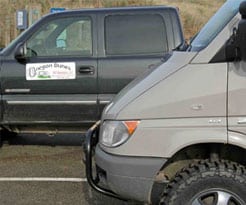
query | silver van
(177,136)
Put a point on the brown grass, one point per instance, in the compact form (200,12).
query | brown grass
(194,13)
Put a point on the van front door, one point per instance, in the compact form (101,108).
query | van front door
(236,97)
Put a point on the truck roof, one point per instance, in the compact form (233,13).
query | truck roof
(114,9)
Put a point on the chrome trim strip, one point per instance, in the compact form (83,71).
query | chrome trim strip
(92,102)
(104,101)
(17,90)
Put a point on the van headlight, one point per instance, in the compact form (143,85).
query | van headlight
(115,133)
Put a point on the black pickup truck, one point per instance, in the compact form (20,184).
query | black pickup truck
(58,75)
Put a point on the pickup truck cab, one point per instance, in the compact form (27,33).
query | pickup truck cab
(59,74)
(178,135)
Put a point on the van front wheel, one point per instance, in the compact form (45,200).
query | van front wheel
(207,183)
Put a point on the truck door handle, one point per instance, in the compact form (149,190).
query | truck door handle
(87,70)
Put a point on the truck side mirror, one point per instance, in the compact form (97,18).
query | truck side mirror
(20,52)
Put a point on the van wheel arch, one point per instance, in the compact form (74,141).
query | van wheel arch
(193,154)
(197,152)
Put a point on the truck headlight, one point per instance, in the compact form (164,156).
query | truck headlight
(115,133)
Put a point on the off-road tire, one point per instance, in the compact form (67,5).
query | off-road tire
(207,179)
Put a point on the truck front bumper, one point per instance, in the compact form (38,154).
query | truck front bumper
(126,177)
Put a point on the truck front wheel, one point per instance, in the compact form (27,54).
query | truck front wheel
(207,183)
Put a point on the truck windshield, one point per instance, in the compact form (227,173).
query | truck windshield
(215,25)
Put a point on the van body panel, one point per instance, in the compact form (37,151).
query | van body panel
(236,138)
(145,82)
(194,91)
(192,113)
(138,173)
(165,137)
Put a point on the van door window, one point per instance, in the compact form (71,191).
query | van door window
(65,37)
(135,34)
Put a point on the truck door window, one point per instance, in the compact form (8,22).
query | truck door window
(64,37)
(135,34)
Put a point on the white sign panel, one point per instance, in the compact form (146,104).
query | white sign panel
(20,17)
(51,71)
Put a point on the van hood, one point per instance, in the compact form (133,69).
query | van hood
(140,85)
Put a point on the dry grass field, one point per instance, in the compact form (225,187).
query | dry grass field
(194,13)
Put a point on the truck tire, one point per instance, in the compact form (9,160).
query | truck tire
(207,183)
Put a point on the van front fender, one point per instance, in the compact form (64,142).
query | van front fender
(165,137)
(236,138)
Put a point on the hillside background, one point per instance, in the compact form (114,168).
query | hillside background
(194,13)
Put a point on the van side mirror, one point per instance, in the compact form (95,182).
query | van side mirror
(241,32)
(232,51)
(20,52)
(242,9)
(229,52)
(235,47)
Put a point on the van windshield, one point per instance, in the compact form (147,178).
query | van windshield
(215,25)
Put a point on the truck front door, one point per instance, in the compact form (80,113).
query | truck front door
(58,82)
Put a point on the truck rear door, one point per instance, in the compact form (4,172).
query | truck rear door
(134,41)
